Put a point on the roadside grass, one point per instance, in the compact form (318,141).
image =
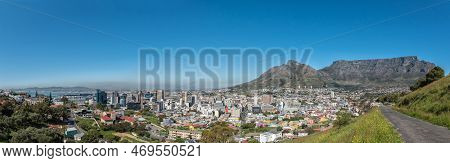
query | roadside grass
(440,120)
(430,103)
(372,127)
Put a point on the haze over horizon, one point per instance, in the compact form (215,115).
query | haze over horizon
(95,43)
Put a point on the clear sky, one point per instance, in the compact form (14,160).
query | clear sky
(89,42)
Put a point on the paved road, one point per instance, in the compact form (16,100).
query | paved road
(414,130)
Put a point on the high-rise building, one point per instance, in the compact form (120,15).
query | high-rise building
(255,100)
(160,106)
(160,95)
(101,97)
(115,98)
(123,100)
(185,97)
(141,99)
(193,100)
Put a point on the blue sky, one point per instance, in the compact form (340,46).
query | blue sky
(89,42)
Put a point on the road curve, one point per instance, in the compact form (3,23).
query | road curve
(414,130)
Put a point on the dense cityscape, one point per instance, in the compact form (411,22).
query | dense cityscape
(263,115)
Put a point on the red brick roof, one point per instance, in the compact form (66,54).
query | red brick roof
(128,119)
(106,118)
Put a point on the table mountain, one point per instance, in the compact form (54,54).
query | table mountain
(402,71)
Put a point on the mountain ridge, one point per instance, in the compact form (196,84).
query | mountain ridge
(400,71)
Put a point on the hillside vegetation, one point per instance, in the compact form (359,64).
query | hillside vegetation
(430,103)
(369,128)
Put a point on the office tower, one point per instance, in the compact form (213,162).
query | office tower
(255,100)
(193,100)
(160,106)
(123,100)
(115,98)
(185,97)
(141,99)
(160,95)
(101,97)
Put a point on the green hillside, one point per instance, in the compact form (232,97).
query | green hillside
(430,103)
(369,128)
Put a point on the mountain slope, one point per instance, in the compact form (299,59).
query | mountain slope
(292,74)
(430,103)
(401,71)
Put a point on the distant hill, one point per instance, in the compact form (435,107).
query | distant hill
(56,91)
(59,88)
(402,71)
(430,103)
(369,128)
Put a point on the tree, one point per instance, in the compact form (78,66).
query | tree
(5,128)
(248,126)
(219,133)
(180,140)
(23,118)
(92,136)
(435,74)
(141,131)
(120,127)
(86,124)
(101,107)
(65,100)
(343,118)
(279,128)
(309,130)
(6,108)
(50,114)
(58,114)
(34,135)
(111,138)
(25,123)
(304,126)
(252,140)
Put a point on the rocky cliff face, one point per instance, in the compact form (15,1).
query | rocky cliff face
(401,71)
